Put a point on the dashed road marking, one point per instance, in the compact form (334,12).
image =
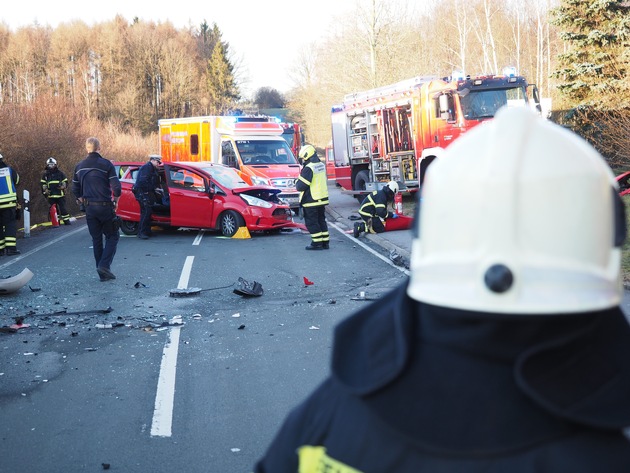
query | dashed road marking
(162,425)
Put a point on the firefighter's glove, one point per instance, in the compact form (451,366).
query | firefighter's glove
(18,212)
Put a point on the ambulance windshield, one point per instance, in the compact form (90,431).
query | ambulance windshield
(265,152)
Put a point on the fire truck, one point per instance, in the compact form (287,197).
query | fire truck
(293,135)
(395,132)
(253,145)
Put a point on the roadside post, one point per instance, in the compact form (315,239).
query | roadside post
(27,214)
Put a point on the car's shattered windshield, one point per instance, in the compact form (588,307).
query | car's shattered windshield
(226,177)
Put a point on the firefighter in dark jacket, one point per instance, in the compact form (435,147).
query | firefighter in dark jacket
(54,184)
(9,208)
(374,211)
(144,189)
(313,189)
(506,351)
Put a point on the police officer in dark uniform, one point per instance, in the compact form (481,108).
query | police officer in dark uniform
(147,181)
(374,211)
(54,183)
(313,188)
(97,188)
(9,207)
(507,350)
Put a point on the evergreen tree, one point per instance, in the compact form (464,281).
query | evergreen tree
(268,97)
(593,70)
(222,87)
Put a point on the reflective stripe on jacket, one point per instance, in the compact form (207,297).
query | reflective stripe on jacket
(312,184)
(375,204)
(55,182)
(9,179)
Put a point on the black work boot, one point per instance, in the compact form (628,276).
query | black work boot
(326,245)
(12,250)
(358,228)
(315,246)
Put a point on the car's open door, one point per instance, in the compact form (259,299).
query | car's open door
(191,205)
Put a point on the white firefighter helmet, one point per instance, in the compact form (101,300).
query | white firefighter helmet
(307,152)
(537,229)
(393,186)
(51,162)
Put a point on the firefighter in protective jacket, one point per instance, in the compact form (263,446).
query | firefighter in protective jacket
(374,211)
(507,349)
(313,189)
(9,208)
(54,184)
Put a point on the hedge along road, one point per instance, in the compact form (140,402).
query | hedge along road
(209,393)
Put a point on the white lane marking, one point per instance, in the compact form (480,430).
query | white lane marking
(41,247)
(198,238)
(363,245)
(185,276)
(165,396)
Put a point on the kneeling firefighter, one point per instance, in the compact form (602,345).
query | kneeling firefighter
(374,211)
(313,189)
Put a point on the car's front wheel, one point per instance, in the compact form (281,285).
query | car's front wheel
(128,227)
(230,222)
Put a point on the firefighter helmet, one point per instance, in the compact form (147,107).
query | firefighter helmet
(155,157)
(538,230)
(307,152)
(393,186)
(51,162)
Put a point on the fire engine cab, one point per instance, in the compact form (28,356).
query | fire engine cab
(395,132)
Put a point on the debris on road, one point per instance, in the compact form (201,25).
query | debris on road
(192,291)
(363,297)
(396,258)
(15,283)
(307,282)
(246,289)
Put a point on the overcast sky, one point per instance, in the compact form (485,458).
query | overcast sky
(265,36)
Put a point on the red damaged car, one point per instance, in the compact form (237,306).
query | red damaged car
(204,195)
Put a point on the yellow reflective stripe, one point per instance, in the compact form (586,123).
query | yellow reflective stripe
(315,204)
(315,460)
(308,183)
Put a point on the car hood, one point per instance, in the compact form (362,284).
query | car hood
(262,192)
(273,171)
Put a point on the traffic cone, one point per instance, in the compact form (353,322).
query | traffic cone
(53,216)
(242,233)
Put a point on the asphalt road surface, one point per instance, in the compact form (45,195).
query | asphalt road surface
(120,374)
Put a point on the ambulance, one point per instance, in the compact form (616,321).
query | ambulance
(253,145)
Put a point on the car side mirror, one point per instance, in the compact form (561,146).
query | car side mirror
(210,190)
